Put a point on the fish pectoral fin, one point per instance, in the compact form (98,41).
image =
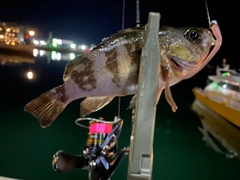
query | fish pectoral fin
(93,104)
(169,98)
(132,103)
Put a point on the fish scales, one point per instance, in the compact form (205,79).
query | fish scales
(111,69)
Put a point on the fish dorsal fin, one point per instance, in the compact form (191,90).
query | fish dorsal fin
(122,33)
(128,35)
(93,104)
(70,66)
(126,32)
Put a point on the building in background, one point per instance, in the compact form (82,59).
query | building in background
(69,44)
(63,44)
(15,34)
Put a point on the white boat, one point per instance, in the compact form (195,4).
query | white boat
(222,94)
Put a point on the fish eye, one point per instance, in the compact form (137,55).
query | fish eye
(193,35)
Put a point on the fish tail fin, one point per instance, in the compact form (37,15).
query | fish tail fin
(45,108)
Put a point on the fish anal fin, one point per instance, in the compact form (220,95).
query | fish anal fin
(45,108)
(93,104)
(159,92)
(132,103)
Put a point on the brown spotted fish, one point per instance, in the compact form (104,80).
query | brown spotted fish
(111,69)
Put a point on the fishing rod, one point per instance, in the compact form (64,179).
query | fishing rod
(100,154)
(138,14)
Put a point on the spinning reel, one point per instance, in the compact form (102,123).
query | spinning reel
(100,155)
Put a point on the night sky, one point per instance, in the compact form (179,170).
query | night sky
(90,21)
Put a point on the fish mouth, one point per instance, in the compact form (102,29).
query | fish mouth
(181,64)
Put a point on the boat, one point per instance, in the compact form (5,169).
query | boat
(222,94)
(218,107)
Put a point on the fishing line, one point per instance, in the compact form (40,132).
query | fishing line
(123,21)
(123,14)
(137,14)
(208,16)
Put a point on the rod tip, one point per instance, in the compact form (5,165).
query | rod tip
(213,22)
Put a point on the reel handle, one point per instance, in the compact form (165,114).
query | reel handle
(63,162)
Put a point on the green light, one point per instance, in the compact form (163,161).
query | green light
(215,84)
(54,44)
(53,55)
(225,74)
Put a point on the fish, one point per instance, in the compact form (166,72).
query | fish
(111,69)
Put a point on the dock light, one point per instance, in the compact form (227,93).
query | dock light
(83,47)
(30,75)
(35,52)
(53,55)
(72,56)
(41,53)
(43,43)
(31,33)
(59,41)
(54,44)
(58,56)
(73,46)
(36,42)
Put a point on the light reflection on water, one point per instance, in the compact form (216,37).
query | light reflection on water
(12,59)
(218,133)
(232,152)
(178,144)
(219,142)
(53,55)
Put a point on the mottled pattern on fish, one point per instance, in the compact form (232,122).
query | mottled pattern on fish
(111,69)
(113,64)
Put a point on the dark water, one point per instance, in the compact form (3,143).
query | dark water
(26,150)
